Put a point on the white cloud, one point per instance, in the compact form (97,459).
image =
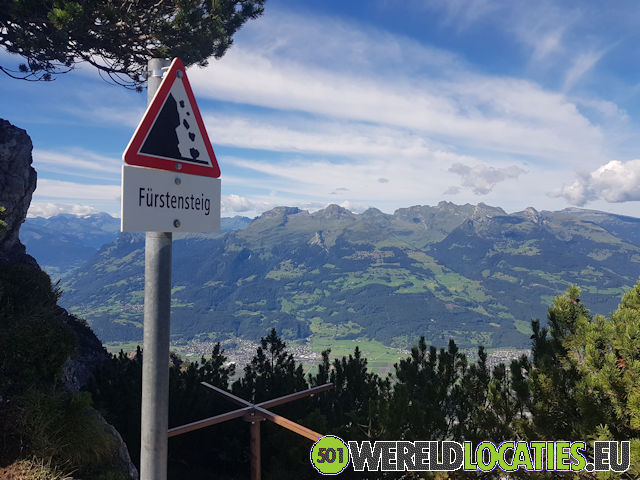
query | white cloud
(482,178)
(48,209)
(580,66)
(332,43)
(404,114)
(614,182)
(460,13)
(607,109)
(76,162)
(452,104)
(58,189)
(354,208)
(359,181)
(235,204)
(541,27)
(333,138)
(114,115)
(362,116)
(546,43)
(252,207)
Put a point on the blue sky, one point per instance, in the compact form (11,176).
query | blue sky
(380,104)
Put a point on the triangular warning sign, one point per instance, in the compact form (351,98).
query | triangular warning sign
(171,135)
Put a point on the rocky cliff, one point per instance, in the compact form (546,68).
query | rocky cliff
(17,184)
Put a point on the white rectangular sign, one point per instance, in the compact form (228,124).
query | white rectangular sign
(161,201)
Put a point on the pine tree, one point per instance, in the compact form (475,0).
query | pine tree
(606,352)
(117,37)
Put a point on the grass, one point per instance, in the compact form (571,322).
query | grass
(248,279)
(63,428)
(34,469)
(380,357)
(558,279)
(504,277)
(115,347)
(600,254)
(523,327)
(528,248)
(390,277)
(455,284)
(606,291)
(287,271)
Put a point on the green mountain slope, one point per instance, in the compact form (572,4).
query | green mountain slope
(473,273)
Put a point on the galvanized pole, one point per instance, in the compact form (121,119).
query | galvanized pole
(157,303)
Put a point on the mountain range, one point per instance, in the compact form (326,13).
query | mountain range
(470,272)
(63,242)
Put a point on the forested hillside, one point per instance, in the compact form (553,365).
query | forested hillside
(472,273)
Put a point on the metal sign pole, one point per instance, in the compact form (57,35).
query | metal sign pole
(155,364)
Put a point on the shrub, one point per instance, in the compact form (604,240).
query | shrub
(34,341)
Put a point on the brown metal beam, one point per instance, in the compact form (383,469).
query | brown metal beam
(276,401)
(259,408)
(209,421)
(254,447)
(295,396)
(255,414)
(228,396)
(288,424)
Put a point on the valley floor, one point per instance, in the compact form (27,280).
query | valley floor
(380,358)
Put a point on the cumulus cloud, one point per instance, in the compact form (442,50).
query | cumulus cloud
(614,182)
(482,178)
(236,204)
(48,209)
(353,208)
(251,207)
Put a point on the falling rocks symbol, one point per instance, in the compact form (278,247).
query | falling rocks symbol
(171,138)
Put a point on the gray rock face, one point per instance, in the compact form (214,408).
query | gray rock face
(123,459)
(88,358)
(17,183)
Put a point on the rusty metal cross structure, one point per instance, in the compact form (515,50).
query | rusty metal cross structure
(254,414)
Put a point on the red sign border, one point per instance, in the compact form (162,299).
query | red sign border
(132,155)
